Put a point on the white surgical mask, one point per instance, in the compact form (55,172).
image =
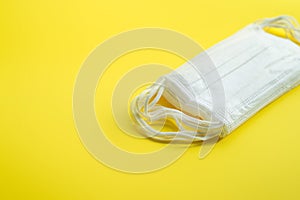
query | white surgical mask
(253,67)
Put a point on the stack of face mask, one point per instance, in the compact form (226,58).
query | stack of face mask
(221,88)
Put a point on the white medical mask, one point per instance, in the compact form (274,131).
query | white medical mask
(254,67)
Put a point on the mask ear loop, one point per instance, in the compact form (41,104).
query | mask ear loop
(288,23)
(146,111)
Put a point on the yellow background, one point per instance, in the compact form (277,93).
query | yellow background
(43,44)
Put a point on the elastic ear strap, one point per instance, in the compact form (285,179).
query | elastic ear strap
(288,23)
(146,111)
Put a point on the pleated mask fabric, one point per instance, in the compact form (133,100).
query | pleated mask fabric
(253,66)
